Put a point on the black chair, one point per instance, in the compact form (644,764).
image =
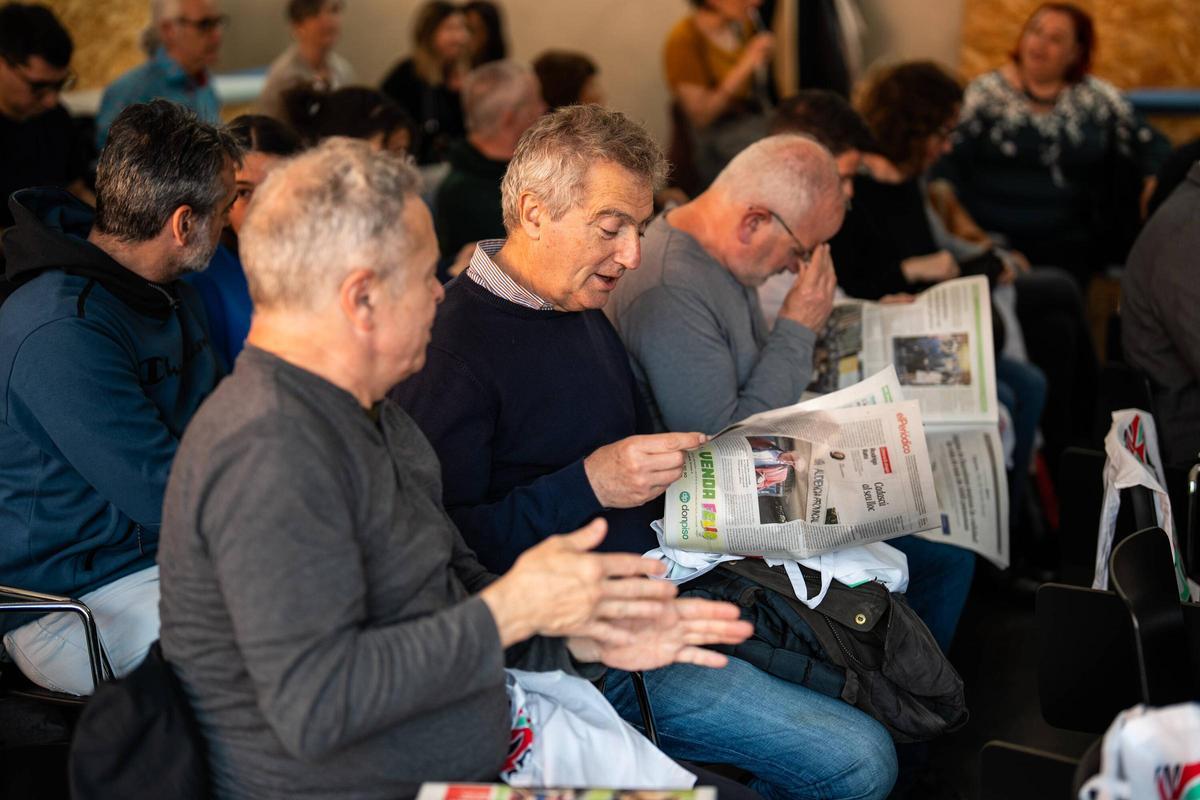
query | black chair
(1087,661)
(1143,575)
(1189,538)
(1080,495)
(1119,386)
(36,724)
(1010,771)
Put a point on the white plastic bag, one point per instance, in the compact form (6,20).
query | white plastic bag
(877,561)
(564,733)
(1132,459)
(1149,753)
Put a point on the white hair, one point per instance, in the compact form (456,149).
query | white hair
(327,211)
(492,89)
(789,173)
(159,10)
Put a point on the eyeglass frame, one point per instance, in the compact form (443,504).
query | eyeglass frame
(43,88)
(803,254)
(204,25)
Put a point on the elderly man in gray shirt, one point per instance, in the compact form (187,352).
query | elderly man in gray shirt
(690,316)
(334,634)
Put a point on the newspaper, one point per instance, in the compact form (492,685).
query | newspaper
(806,480)
(498,791)
(940,344)
(942,351)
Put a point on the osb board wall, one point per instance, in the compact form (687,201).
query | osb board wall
(106,34)
(1139,43)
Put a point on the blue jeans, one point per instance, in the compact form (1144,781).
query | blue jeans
(798,743)
(939,578)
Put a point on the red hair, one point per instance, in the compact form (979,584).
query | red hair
(1085,38)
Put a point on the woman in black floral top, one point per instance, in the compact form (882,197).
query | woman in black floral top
(1050,156)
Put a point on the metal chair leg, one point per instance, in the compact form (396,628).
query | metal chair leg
(643,698)
(38,603)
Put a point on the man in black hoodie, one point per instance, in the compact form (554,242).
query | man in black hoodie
(501,99)
(104,357)
(39,145)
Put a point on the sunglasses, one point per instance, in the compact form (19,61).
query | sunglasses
(43,88)
(205,24)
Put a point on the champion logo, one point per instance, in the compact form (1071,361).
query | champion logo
(1178,781)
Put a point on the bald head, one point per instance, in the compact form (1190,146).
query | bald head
(790,174)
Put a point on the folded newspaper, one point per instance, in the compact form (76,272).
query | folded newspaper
(809,479)
(942,348)
(787,484)
(498,791)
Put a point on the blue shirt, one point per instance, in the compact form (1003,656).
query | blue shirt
(226,295)
(163,77)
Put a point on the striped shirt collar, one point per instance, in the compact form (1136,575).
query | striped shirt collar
(484,271)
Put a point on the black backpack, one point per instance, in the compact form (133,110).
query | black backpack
(862,644)
(137,737)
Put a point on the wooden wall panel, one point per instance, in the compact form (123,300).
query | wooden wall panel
(106,34)
(1139,43)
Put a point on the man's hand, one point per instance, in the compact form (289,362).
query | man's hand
(558,588)
(810,299)
(900,299)
(676,636)
(933,268)
(637,469)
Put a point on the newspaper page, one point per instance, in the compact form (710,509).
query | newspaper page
(972,489)
(499,791)
(969,474)
(805,482)
(940,344)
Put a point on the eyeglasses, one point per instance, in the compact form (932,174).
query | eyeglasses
(205,24)
(44,88)
(803,254)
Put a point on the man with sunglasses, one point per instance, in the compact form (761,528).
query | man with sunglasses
(690,316)
(183,40)
(38,142)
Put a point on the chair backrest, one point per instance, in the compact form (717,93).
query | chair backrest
(1189,537)
(1009,770)
(1119,386)
(1143,575)
(1080,494)
(1087,661)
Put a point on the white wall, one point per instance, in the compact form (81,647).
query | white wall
(624,37)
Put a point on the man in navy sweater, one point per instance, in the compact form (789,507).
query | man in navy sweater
(104,357)
(529,401)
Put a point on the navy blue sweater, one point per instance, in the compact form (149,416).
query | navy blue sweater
(513,399)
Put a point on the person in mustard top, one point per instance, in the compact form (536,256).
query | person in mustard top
(716,62)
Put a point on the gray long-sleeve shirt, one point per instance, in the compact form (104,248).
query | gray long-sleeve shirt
(317,602)
(699,345)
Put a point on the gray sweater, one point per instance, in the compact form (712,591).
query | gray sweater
(697,339)
(1160,317)
(317,601)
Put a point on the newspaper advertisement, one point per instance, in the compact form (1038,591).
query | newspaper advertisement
(940,344)
(799,482)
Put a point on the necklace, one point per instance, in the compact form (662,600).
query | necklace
(1035,99)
